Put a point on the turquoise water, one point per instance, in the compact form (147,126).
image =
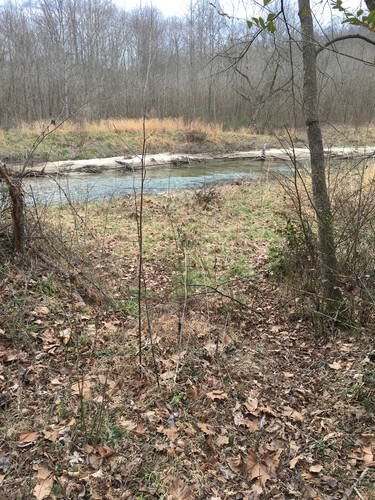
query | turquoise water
(101,187)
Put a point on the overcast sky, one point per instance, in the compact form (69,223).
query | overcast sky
(181,7)
(232,7)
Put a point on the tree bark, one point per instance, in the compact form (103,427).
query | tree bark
(16,196)
(326,244)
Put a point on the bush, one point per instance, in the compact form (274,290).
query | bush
(196,136)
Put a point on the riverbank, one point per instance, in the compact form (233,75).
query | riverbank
(132,163)
(38,143)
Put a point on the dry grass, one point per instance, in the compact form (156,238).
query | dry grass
(129,125)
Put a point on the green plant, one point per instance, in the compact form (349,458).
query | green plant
(177,398)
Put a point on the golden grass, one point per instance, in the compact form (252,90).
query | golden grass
(129,125)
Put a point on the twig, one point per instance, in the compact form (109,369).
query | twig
(354,489)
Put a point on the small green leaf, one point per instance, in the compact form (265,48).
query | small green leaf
(249,24)
(359,13)
(266,2)
(262,23)
(271,27)
(271,16)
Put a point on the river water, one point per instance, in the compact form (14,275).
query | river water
(113,184)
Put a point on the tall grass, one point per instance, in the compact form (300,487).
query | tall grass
(125,125)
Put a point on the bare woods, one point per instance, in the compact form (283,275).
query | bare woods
(60,56)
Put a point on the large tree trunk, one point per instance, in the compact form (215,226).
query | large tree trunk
(320,193)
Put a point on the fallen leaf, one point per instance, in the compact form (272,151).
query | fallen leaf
(222,440)
(235,463)
(255,469)
(217,395)
(294,461)
(297,416)
(41,310)
(257,488)
(82,388)
(207,429)
(44,483)
(65,335)
(335,365)
(129,425)
(179,490)
(56,382)
(316,468)
(51,435)
(27,437)
(252,424)
(251,405)
(171,433)
(104,450)
(98,474)
(239,419)
(167,375)
(288,374)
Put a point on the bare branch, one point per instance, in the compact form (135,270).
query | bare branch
(345,37)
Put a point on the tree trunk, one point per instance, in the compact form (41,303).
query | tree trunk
(16,196)
(326,244)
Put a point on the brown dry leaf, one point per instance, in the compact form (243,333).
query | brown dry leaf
(239,419)
(296,416)
(255,469)
(268,409)
(294,461)
(82,388)
(9,356)
(27,437)
(336,365)
(288,374)
(316,468)
(65,335)
(207,429)
(251,405)
(210,347)
(51,435)
(272,461)
(235,464)
(44,483)
(129,425)
(179,490)
(167,375)
(104,450)
(216,394)
(222,440)
(252,424)
(171,432)
(368,456)
(257,488)
(41,310)
(56,382)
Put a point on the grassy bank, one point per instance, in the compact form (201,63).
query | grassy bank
(259,405)
(124,137)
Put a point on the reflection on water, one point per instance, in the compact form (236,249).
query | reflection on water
(92,187)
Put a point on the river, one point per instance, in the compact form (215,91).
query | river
(100,187)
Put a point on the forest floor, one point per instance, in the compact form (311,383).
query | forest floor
(228,390)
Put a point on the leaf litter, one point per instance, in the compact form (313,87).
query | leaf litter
(260,408)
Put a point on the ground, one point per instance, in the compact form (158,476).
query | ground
(226,389)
